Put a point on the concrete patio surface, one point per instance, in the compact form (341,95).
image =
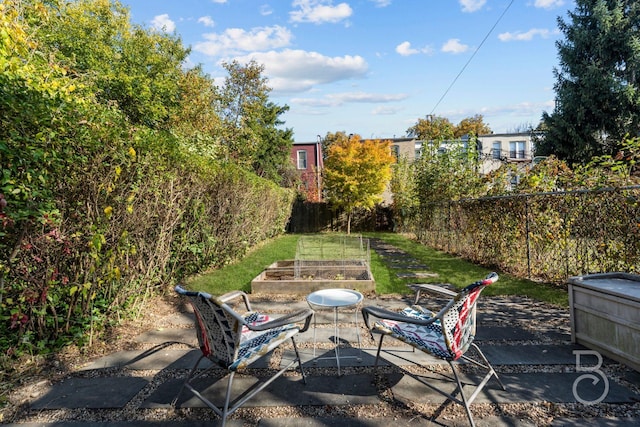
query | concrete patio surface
(528,343)
(132,388)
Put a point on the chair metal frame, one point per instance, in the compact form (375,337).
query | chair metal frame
(233,341)
(452,330)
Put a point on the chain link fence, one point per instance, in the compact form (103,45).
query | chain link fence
(545,236)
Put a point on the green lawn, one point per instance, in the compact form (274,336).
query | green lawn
(450,269)
(460,273)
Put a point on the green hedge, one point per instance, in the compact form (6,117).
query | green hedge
(86,236)
(135,216)
(98,211)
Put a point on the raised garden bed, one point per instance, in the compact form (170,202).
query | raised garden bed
(284,277)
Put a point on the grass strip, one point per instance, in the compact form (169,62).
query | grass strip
(450,269)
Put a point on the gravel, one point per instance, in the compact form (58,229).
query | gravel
(31,383)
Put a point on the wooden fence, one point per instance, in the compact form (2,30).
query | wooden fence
(310,217)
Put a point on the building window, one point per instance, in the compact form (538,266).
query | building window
(302,159)
(516,150)
(496,150)
(395,150)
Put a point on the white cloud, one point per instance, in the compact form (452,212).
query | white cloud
(291,71)
(529,35)
(338,99)
(313,102)
(405,49)
(454,46)
(163,23)
(319,11)
(207,21)
(265,10)
(381,3)
(548,4)
(385,110)
(472,5)
(219,1)
(367,97)
(234,41)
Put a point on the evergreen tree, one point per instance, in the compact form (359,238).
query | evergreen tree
(271,158)
(597,82)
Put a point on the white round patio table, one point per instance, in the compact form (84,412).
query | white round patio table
(335,299)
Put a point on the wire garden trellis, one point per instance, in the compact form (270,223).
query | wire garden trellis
(329,256)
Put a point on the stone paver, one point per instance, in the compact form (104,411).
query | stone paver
(542,354)
(175,335)
(386,422)
(143,360)
(417,275)
(94,393)
(408,266)
(517,335)
(504,333)
(521,387)
(596,422)
(136,423)
(284,391)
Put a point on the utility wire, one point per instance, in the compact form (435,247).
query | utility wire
(471,58)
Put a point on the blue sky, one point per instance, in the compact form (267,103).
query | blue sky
(374,67)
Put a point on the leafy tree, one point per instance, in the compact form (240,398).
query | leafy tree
(195,121)
(597,82)
(611,171)
(472,126)
(146,79)
(243,98)
(330,138)
(432,128)
(251,132)
(551,174)
(447,172)
(436,128)
(404,188)
(135,68)
(99,201)
(356,173)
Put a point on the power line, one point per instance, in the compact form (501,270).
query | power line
(474,54)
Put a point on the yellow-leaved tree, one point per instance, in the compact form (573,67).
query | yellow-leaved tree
(356,173)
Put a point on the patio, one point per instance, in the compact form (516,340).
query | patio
(527,342)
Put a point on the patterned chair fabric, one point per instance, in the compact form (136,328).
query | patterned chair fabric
(226,338)
(448,343)
(234,341)
(447,334)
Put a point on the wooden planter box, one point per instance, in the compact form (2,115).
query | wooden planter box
(605,315)
(279,278)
